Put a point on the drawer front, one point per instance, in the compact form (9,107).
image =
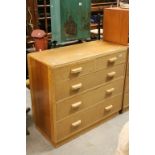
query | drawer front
(110,60)
(74,70)
(83,119)
(85,100)
(126,100)
(108,75)
(73,87)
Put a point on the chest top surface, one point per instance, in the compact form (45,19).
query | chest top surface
(79,52)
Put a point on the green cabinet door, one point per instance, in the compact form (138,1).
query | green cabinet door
(70,20)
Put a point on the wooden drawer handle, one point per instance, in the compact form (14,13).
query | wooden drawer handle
(108,108)
(112,60)
(76,70)
(111,74)
(109,91)
(77,123)
(76,105)
(77,86)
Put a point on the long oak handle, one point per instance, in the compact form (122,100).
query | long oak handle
(76,105)
(112,60)
(77,86)
(111,74)
(77,123)
(76,70)
(109,91)
(108,108)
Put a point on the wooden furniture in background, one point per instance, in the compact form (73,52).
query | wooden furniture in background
(43,15)
(97,7)
(76,87)
(116,25)
(37,17)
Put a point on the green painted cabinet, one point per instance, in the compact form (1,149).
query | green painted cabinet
(70,20)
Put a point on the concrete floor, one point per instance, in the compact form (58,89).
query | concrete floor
(99,141)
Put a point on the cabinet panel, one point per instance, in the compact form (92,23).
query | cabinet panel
(70,20)
(116,25)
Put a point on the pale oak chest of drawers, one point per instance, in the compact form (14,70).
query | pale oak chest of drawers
(76,87)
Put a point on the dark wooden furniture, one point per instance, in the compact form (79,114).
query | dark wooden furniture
(37,16)
(97,7)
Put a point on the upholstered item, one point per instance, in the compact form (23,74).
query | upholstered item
(123,142)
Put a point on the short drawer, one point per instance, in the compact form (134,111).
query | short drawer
(73,87)
(84,119)
(79,102)
(108,75)
(68,88)
(126,100)
(73,70)
(110,60)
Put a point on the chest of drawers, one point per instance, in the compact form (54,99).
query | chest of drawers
(74,88)
(116,25)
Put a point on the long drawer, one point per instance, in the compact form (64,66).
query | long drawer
(73,87)
(81,68)
(83,119)
(85,100)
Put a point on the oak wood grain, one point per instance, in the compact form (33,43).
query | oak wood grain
(40,95)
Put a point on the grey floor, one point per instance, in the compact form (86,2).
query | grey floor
(99,141)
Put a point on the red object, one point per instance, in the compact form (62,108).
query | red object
(40,38)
